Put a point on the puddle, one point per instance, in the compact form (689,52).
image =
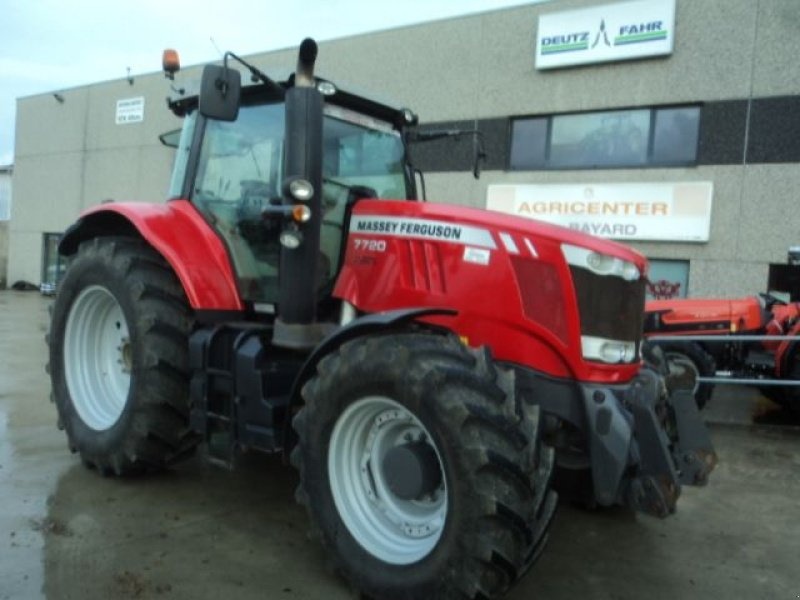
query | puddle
(21,569)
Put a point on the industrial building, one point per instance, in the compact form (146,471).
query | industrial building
(671,125)
(6,172)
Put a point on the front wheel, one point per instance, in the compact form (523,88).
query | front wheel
(787,397)
(690,355)
(423,474)
(119,358)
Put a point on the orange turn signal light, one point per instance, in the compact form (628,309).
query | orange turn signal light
(301,213)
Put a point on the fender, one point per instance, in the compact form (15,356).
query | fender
(178,232)
(368,324)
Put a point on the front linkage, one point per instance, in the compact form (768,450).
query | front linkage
(647,439)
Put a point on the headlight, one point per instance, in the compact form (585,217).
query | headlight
(601,264)
(326,88)
(291,239)
(299,189)
(608,351)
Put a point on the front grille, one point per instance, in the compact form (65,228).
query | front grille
(610,307)
(540,290)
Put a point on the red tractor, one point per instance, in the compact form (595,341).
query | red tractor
(424,365)
(745,340)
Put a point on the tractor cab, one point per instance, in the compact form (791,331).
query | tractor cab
(233,172)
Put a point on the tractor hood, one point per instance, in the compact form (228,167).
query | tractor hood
(571,303)
(705,315)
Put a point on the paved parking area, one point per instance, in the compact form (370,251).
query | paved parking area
(200,532)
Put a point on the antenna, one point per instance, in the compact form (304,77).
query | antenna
(213,43)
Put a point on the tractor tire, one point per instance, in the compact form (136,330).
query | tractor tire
(787,397)
(693,356)
(119,358)
(449,416)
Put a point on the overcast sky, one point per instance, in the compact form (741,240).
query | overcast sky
(55,44)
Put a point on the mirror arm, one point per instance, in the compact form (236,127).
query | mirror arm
(479,151)
(255,73)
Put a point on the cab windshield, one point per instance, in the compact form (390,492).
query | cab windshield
(239,174)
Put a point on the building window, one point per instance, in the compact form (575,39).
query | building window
(667,279)
(675,135)
(528,143)
(608,139)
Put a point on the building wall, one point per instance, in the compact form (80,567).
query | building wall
(735,57)
(71,155)
(3,254)
(5,207)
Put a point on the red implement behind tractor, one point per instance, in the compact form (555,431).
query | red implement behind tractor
(425,366)
(745,340)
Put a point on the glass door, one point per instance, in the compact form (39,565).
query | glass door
(53,264)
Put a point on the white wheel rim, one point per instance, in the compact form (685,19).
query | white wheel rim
(392,529)
(97,357)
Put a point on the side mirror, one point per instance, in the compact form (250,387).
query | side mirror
(220,91)
(171,139)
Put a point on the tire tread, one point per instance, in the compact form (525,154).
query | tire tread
(158,434)
(508,472)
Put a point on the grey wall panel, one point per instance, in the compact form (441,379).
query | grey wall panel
(777,38)
(3,253)
(25,256)
(102,130)
(774,134)
(106,178)
(47,191)
(730,279)
(769,221)
(46,126)
(429,68)
(708,63)
(722,133)
(155,168)
(457,153)
(445,154)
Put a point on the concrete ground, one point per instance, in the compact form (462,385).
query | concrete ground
(200,532)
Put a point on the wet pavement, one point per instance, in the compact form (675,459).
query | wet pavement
(201,532)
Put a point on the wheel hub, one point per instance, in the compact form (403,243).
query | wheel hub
(412,470)
(387,480)
(98,357)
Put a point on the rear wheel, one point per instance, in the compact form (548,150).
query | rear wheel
(118,358)
(692,356)
(420,469)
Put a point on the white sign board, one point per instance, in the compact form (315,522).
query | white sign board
(130,110)
(605,33)
(663,212)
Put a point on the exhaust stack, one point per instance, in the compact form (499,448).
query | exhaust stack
(295,325)
(304,74)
